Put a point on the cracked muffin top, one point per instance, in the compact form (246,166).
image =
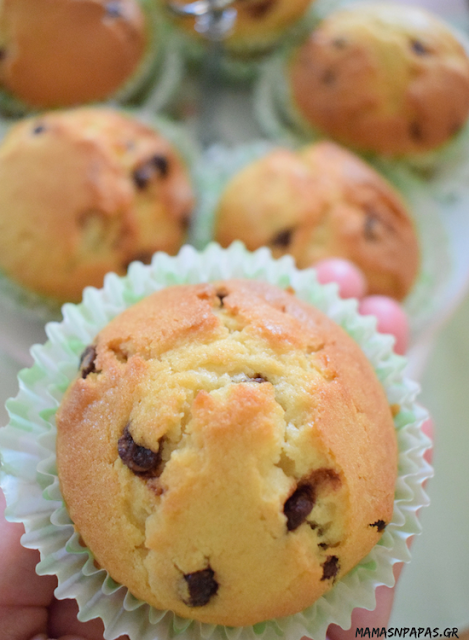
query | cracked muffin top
(86,191)
(58,53)
(226,452)
(384,78)
(318,202)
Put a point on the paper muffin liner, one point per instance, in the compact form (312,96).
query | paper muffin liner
(217,166)
(281,120)
(29,475)
(153,83)
(42,308)
(220,164)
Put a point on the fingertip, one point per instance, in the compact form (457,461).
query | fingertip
(361,618)
(391,319)
(428,430)
(351,281)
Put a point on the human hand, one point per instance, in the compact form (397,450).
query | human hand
(390,319)
(28,609)
(380,616)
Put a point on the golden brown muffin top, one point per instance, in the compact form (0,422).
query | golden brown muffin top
(66,52)
(321,202)
(84,192)
(383,78)
(227,452)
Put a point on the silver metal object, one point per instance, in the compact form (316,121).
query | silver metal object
(214,19)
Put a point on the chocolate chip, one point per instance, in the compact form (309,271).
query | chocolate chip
(140,460)
(330,568)
(186,220)
(142,176)
(329,77)
(258,378)
(156,165)
(144,256)
(87,359)
(380,525)
(221,295)
(419,48)
(282,239)
(369,229)
(114,9)
(323,545)
(39,128)
(140,256)
(260,9)
(415,131)
(161,164)
(202,587)
(339,43)
(298,506)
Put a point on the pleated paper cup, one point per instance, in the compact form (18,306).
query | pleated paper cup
(280,119)
(24,312)
(31,486)
(220,164)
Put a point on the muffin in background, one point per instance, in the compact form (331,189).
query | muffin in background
(319,202)
(248,446)
(84,192)
(382,78)
(259,24)
(60,53)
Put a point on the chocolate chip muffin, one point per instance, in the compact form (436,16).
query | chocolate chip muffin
(382,78)
(84,192)
(226,452)
(259,23)
(322,202)
(67,52)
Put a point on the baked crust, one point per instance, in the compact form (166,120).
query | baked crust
(247,397)
(58,53)
(321,202)
(81,194)
(383,78)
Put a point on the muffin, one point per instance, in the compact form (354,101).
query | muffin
(59,53)
(226,452)
(259,24)
(382,78)
(84,192)
(319,202)
(28,471)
